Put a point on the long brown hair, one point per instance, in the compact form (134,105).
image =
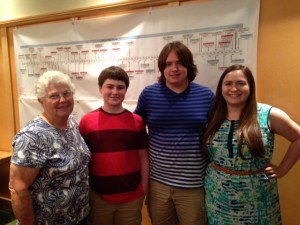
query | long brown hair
(248,129)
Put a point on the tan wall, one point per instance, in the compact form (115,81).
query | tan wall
(7,129)
(15,9)
(278,81)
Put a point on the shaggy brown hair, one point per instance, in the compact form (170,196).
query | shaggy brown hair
(184,55)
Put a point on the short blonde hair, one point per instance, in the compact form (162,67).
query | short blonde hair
(51,77)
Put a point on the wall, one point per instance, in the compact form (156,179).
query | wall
(278,78)
(7,128)
(16,9)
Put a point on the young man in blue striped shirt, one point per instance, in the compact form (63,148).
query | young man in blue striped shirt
(175,110)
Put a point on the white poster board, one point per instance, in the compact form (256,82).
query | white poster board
(219,33)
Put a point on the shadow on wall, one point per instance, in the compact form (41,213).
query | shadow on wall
(7,218)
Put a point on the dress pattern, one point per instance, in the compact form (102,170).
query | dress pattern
(241,199)
(60,192)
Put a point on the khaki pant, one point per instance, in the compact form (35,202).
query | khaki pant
(174,206)
(103,213)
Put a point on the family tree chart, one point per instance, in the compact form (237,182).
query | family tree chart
(83,48)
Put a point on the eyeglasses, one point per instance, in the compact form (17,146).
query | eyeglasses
(57,96)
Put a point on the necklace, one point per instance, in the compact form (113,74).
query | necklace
(60,126)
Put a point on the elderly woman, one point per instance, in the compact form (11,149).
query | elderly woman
(49,166)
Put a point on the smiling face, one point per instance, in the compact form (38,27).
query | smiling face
(235,89)
(175,73)
(113,93)
(58,102)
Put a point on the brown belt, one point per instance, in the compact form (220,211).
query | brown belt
(234,172)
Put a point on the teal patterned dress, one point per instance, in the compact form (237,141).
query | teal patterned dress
(241,199)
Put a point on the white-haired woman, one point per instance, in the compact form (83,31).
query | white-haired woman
(49,166)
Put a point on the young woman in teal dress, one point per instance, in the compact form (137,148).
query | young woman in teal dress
(241,181)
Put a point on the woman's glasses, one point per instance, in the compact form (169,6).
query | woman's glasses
(57,96)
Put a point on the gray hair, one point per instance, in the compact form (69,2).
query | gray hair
(51,77)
